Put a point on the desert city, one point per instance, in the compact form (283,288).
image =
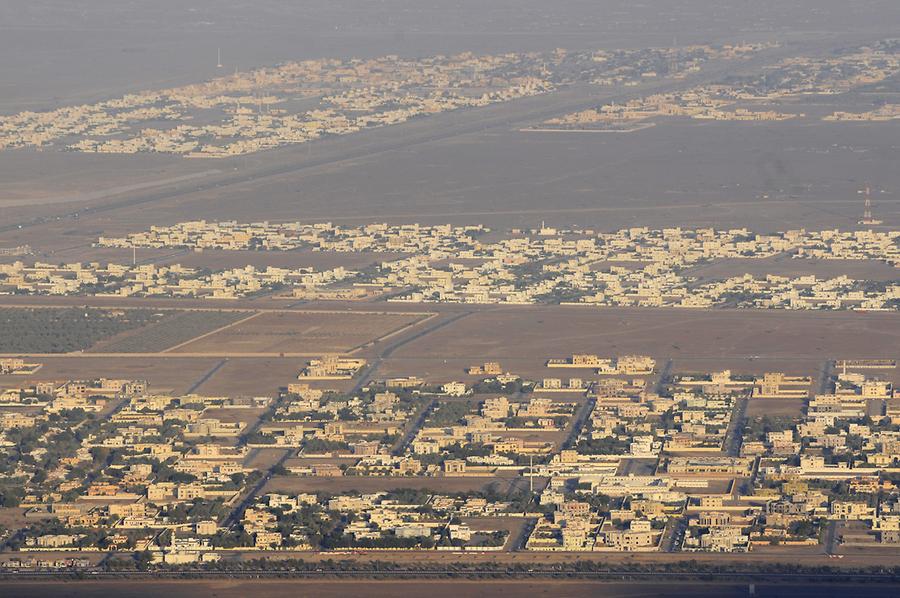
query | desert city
(491,299)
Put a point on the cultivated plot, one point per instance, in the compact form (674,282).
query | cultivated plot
(173,329)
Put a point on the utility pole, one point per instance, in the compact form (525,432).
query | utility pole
(867,209)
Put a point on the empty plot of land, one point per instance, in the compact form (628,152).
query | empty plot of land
(683,335)
(246,415)
(87,252)
(775,407)
(263,459)
(12,517)
(175,328)
(798,366)
(784,265)
(163,375)
(301,332)
(254,376)
(441,370)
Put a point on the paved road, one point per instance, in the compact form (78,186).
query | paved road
(674,535)
(830,542)
(410,433)
(586,409)
(206,376)
(664,374)
(517,544)
(388,348)
(239,509)
(734,437)
(825,377)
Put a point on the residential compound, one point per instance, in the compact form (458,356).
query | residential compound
(886,112)
(149,280)
(626,461)
(638,267)
(702,103)
(268,107)
(737,98)
(18,366)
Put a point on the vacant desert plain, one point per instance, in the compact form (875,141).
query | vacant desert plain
(401,340)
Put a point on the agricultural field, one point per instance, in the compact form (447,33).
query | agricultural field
(47,330)
(172,328)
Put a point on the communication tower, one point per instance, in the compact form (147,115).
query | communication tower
(867,210)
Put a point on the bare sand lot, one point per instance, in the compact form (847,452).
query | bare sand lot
(520,338)
(375,484)
(163,375)
(231,415)
(12,517)
(754,364)
(786,266)
(677,173)
(81,251)
(263,459)
(510,524)
(439,369)
(301,332)
(775,407)
(554,437)
(250,377)
(724,336)
(177,373)
(66,177)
